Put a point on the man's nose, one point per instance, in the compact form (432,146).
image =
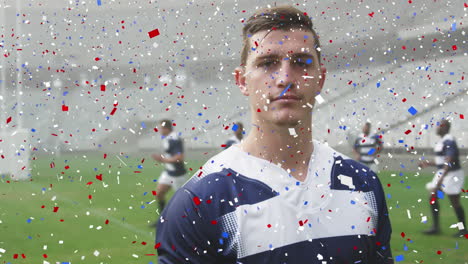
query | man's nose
(285,75)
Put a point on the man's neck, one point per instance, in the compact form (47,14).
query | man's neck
(277,145)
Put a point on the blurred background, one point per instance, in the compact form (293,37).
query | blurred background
(84,82)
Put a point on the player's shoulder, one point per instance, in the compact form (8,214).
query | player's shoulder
(449,139)
(219,178)
(348,174)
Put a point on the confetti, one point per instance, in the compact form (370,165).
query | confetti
(153,33)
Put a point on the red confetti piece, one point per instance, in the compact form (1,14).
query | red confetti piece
(89,183)
(407,132)
(371,14)
(223,145)
(52,165)
(157,245)
(67,167)
(113,111)
(64,108)
(153,33)
(97,59)
(214,222)
(15,256)
(105,155)
(454,47)
(368,219)
(103,88)
(404,100)
(403,234)
(99,177)
(55,209)
(403,47)
(258,110)
(439,252)
(107,221)
(143,243)
(156,130)
(44,255)
(462,116)
(154,193)
(269,226)
(90,197)
(8,120)
(196,200)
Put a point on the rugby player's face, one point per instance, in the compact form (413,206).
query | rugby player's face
(282,76)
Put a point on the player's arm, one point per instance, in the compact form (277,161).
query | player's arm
(379,144)
(176,158)
(426,163)
(356,153)
(184,232)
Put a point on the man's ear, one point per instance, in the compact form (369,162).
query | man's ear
(323,73)
(239,75)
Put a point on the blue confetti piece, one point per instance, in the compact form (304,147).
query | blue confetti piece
(399,258)
(309,61)
(225,235)
(33,130)
(143,125)
(29,220)
(98,2)
(440,194)
(378,85)
(405,248)
(353,202)
(371,151)
(412,110)
(235,127)
(140,166)
(285,89)
(454,26)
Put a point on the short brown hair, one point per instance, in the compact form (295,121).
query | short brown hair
(166,123)
(281,17)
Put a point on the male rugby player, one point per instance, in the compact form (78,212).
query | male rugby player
(173,176)
(279,196)
(367,146)
(448,178)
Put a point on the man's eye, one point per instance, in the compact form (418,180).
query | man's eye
(300,63)
(268,63)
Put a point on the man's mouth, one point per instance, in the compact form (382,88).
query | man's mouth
(287,98)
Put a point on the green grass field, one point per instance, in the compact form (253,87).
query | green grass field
(108,221)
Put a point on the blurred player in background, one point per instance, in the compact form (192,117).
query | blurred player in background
(279,196)
(238,129)
(449,178)
(366,147)
(173,175)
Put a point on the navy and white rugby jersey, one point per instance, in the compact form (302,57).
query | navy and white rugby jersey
(242,209)
(367,146)
(173,145)
(447,147)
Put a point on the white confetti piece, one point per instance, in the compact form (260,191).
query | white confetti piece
(409,213)
(135,256)
(319,99)
(96,253)
(2,250)
(346,180)
(292,131)
(424,219)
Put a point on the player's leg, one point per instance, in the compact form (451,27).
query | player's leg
(455,201)
(161,191)
(165,184)
(435,210)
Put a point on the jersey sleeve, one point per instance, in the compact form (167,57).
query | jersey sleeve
(384,229)
(184,231)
